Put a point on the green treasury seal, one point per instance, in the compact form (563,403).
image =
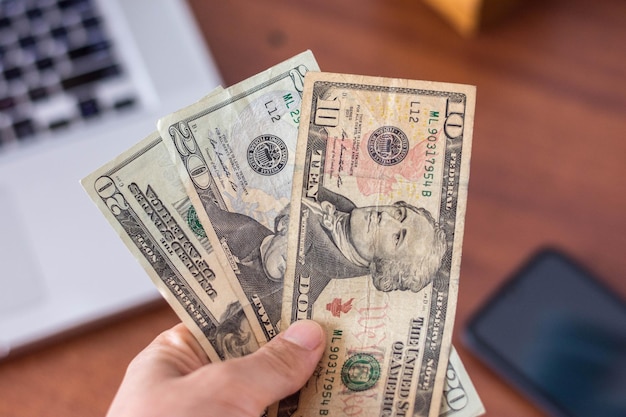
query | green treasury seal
(194,222)
(360,372)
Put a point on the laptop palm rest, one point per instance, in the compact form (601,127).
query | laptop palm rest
(21,282)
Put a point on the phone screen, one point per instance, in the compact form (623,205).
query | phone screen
(560,336)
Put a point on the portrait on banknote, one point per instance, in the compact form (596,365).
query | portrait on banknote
(398,245)
(260,253)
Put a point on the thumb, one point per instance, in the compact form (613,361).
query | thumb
(277,369)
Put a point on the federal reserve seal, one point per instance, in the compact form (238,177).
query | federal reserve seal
(360,372)
(267,154)
(388,145)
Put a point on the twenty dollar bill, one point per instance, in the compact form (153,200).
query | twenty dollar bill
(235,155)
(375,237)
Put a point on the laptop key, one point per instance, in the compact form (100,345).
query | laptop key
(125,103)
(67,4)
(88,50)
(34,14)
(11,74)
(27,42)
(58,124)
(91,22)
(44,64)
(89,108)
(5,23)
(7,103)
(90,77)
(59,32)
(38,93)
(24,128)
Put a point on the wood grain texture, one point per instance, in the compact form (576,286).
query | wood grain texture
(547,166)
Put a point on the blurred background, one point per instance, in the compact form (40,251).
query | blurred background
(547,160)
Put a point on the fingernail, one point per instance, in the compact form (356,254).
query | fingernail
(305,333)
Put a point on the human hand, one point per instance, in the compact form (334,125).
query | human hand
(173,376)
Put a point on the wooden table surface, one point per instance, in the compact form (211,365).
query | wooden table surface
(548,157)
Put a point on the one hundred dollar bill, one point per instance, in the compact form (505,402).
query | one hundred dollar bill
(375,237)
(460,398)
(142,196)
(235,155)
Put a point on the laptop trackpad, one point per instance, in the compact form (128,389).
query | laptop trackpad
(21,282)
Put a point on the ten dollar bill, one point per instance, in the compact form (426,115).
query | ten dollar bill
(375,238)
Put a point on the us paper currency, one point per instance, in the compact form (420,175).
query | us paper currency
(150,160)
(235,155)
(141,195)
(375,236)
(460,398)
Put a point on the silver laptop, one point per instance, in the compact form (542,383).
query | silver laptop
(80,82)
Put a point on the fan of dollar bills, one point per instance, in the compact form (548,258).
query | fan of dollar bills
(298,194)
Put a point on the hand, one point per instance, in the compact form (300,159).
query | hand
(173,376)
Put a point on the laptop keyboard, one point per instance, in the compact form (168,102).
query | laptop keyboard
(58,68)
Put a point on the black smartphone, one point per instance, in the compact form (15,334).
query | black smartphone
(559,335)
